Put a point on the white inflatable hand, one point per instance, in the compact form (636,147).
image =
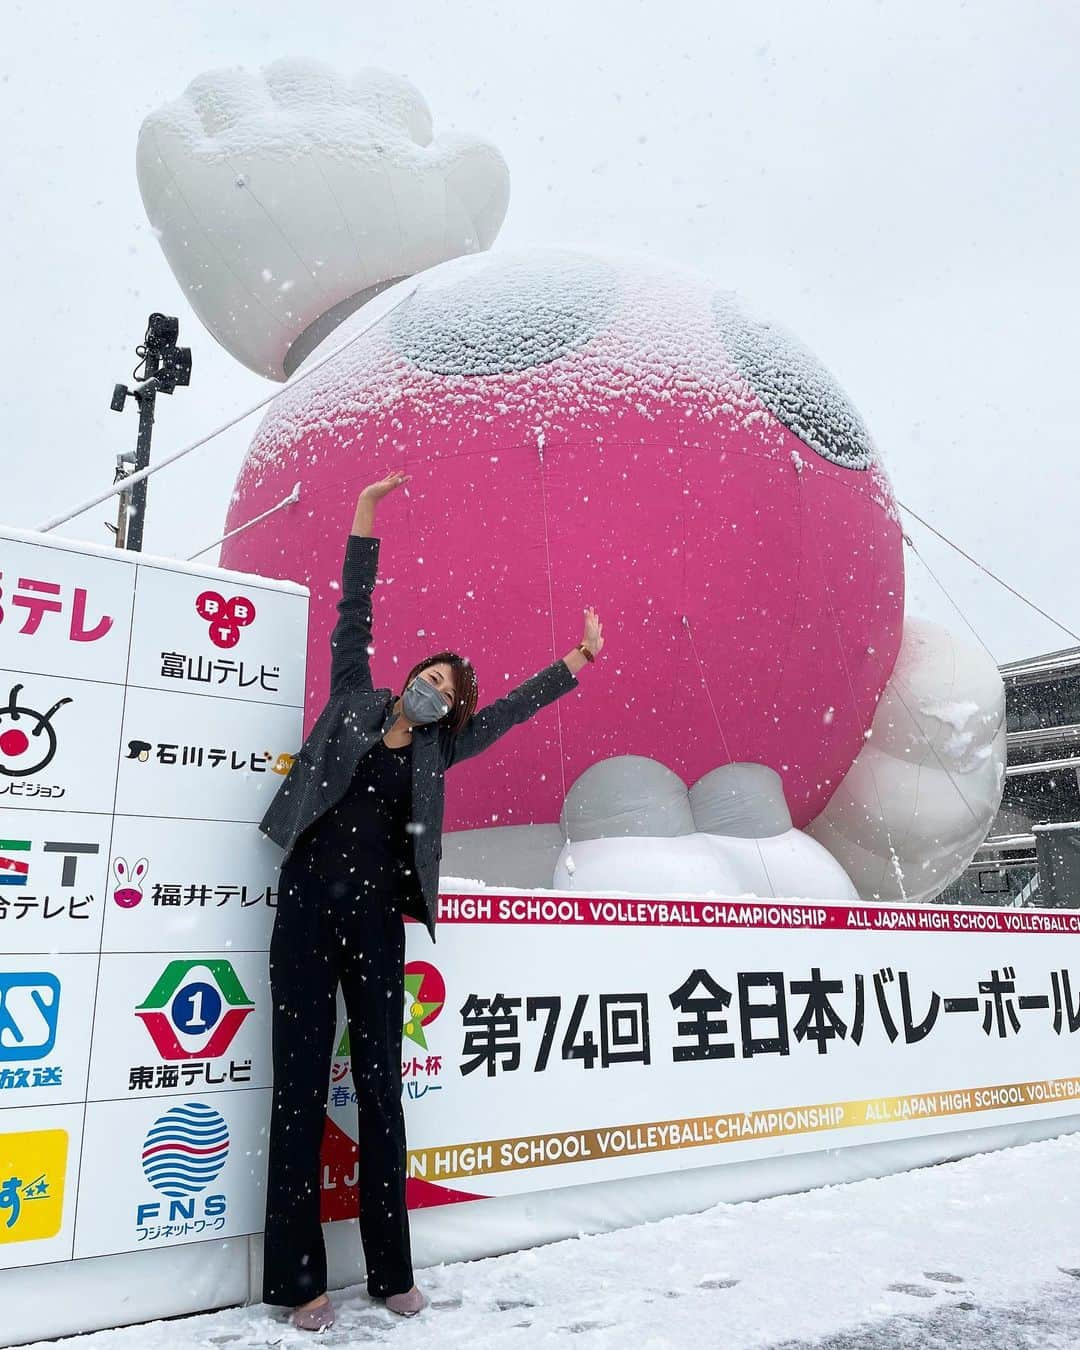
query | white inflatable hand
(284,200)
(919,799)
(632,825)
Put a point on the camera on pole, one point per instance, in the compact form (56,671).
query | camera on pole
(163,367)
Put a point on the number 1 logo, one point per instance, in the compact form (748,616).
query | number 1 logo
(195,1009)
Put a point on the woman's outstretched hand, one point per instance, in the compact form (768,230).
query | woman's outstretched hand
(593,637)
(364,519)
(375,492)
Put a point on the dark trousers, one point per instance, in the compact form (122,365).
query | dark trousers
(324,935)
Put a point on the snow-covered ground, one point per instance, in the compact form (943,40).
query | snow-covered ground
(984,1252)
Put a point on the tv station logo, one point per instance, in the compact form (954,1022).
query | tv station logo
(20,868)
(32,1164)
(182,1156)
(129,883)
(225,617)
(29,1012)
(192,1015)
(38,598)
(29,1020)
(27,736)
(213,757)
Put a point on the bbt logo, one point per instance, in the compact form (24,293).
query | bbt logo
(29,1010)
(225,617)
(27,737)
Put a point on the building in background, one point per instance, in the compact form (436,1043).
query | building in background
(1032,853)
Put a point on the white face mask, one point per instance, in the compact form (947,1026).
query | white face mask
(422,702)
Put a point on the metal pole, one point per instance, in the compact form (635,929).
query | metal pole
(146,396)
(122,502)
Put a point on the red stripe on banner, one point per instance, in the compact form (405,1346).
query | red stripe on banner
(595,911)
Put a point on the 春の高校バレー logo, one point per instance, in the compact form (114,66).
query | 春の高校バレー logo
(425,994)
(424,997)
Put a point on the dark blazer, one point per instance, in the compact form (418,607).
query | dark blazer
(356,715)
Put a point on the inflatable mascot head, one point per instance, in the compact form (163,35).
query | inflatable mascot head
(580,429)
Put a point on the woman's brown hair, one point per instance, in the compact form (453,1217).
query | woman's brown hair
(465,690)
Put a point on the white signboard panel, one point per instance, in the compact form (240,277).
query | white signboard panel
(146,1192)
(180,1024)
(59,739)
(64,609)
(147,713)
(190,885)
(224,640)
(39,1173)
(53,866)
(46,1012)
(202,758)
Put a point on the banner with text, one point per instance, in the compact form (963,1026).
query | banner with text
(551,1040)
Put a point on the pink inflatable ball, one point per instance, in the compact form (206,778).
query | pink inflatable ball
(587,430)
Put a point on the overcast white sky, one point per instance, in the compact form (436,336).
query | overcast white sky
(896,182)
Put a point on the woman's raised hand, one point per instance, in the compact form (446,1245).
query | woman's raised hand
(593,636)
(364,519)
(375,492)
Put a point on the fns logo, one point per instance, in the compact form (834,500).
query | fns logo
(184,1152)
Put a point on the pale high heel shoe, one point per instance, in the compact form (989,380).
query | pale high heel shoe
(318,1318)
(407,1304)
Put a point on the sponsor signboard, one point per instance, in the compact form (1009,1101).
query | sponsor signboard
(148,711)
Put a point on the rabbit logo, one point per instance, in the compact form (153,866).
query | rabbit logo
(128,890)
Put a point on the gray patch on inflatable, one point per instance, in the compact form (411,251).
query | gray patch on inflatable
(794,386)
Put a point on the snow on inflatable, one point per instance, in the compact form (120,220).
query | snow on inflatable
(580,429)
